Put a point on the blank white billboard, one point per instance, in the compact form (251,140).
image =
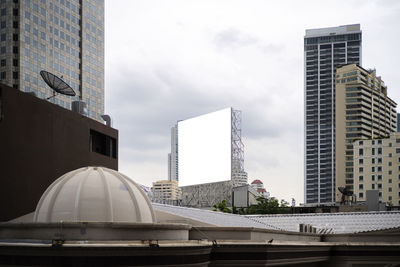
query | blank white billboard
(204,148)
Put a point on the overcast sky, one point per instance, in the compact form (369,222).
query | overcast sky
(172,60)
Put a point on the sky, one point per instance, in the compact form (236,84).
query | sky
(170,60)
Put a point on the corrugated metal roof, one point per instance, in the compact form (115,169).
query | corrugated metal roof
(345,222)
(214,218)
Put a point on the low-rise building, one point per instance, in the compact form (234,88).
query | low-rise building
(165,191)
(377,167)
(259,186)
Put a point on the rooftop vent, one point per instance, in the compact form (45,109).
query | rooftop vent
(79,107)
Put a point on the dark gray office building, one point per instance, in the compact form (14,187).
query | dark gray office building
(324,50)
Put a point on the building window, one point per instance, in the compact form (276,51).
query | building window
(390,198)
(379,186)
(390,189)
(3,75)
(397,140)
(373,186)
(379,151)
(3,62)
(360,161)
(373,169)
(373,151)
(390,163)
(102,144)
(390,155)
(361,186)
(373,161)
(397,150)
(360,143)
(361,178)
(390,144)
(373,142)
(379,177)
(379,160)
(360,195)
(361,151)
(380,194)
(373,177)
(390,172)
(390,181)
(361,169)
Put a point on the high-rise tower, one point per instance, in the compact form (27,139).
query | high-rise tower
(65,37)
(324,50)
(173,156)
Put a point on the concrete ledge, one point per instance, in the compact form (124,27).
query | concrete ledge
(248,233)
(94,231)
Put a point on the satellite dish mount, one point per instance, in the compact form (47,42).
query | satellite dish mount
(57,84)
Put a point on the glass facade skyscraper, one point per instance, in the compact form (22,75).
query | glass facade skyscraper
(324,50)
(65,37)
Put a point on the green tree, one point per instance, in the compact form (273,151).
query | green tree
(222,207)
(268,206)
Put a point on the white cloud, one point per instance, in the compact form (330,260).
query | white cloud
(171,60)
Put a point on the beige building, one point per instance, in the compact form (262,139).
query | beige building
(377,167)
(164,191)
(363,111)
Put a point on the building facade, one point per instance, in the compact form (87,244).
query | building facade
(259,186)
(47,141)
(164,191)
(398,122)
(363,111)
(173,170)
(377,167)
(324,50)
(63,37)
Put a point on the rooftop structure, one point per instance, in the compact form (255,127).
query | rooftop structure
(40,142)
(211,142)
(94,194)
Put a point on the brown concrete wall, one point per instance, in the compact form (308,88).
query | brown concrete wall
(39,142)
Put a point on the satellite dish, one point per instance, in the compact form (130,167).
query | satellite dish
(345,191)
(57,84)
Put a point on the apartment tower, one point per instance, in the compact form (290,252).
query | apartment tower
(324,50)
(363,111)
(65,37)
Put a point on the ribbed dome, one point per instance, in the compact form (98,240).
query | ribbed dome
(94,194)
